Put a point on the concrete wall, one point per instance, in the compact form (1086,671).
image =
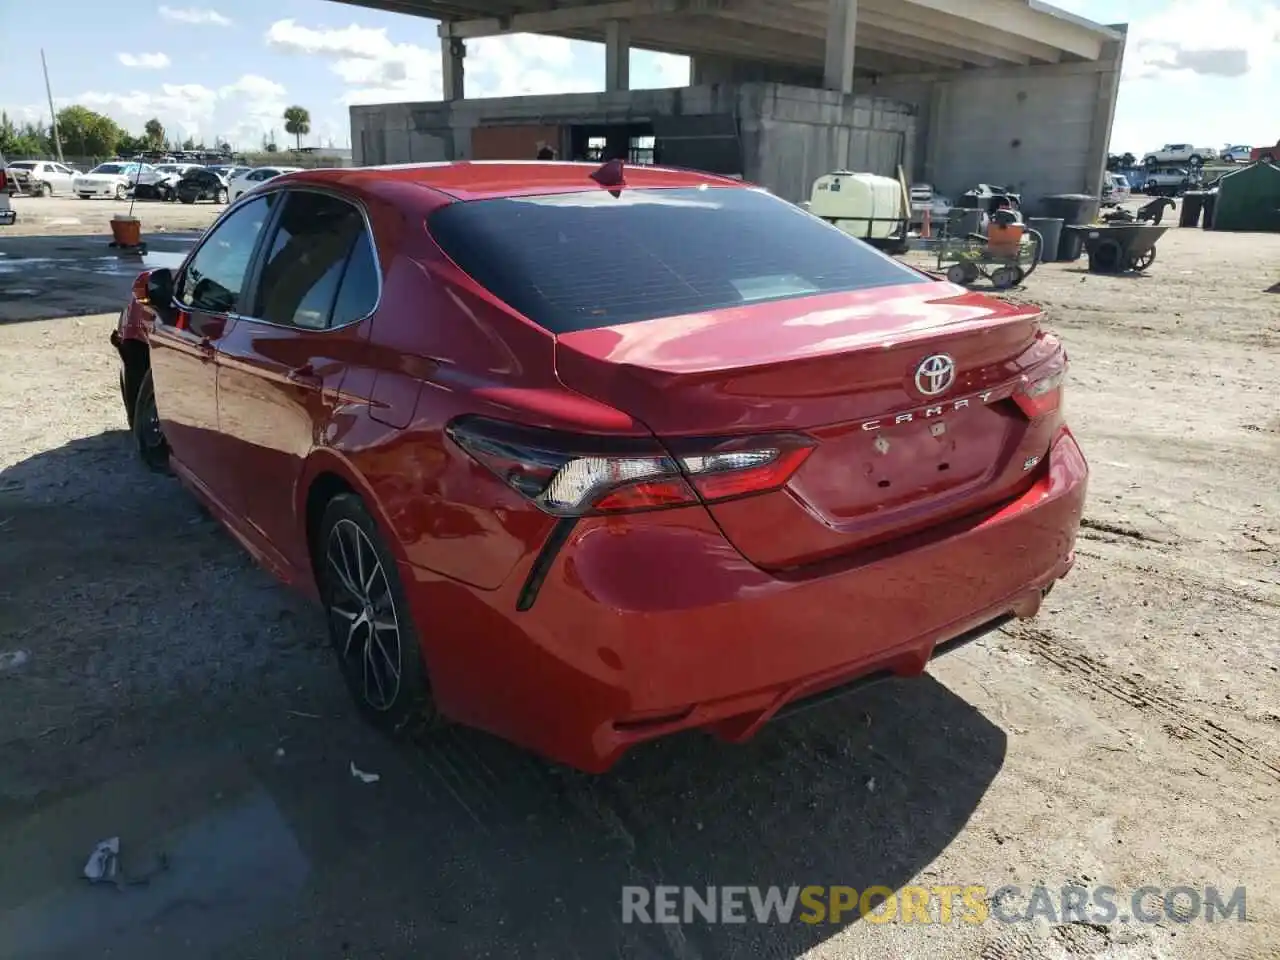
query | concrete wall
(804,133)
(790,135)
(1041,129)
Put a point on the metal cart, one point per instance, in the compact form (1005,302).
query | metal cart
(967,257)
(1116,248)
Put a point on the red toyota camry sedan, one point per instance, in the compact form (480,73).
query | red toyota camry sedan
(585,456)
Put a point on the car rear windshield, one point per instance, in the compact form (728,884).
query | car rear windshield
(583,260)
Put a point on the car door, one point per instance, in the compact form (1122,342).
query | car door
(209,292)
(61,177)
(281,370)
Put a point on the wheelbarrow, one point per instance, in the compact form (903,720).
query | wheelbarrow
(1119,247)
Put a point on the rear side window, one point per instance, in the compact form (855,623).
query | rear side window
(313,242)
(577,261)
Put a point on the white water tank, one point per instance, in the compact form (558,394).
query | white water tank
(863,205)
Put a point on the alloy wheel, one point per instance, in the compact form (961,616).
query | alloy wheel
(362,613)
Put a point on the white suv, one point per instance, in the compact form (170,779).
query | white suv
(1179,153)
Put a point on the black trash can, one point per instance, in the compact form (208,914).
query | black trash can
(1050,230)
(1075,209)
(1192,204)
(1072,244)
(1210,205)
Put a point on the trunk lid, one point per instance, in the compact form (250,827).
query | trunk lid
(899,448)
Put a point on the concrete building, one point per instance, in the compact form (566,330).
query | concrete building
(956,92)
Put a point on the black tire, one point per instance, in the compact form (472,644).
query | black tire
(186,199)
(46,189)
(1267,158)
(122,192)
(1196,160)
(390,687)
(1150,162)
(145,424)
(221,196)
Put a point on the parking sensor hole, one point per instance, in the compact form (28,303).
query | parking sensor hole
(944,466)
(883,483)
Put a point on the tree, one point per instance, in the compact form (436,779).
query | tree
(129,145)
(298,122)
(155,133)
(87,132)
(27,140)
(189,143)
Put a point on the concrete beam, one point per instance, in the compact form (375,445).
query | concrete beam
(617,55)
(573,18)
(1015,17)
(453,53)
(842,30)
(999,45)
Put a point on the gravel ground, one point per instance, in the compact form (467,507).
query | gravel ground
(71,216)
(156,686)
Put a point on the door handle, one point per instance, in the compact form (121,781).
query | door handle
(305,376)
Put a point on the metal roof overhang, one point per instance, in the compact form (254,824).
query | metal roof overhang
(893,36)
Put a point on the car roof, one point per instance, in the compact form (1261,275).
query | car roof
(487,179)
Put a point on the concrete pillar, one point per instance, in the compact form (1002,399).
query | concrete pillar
(842,29)
(1104,110)
(453,52)
(617,55)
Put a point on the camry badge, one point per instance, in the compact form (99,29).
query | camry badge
(935,374)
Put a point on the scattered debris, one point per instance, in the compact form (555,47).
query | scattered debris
(104,862)
(305,716)
(362,776)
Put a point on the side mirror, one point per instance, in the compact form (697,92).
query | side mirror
(160,288)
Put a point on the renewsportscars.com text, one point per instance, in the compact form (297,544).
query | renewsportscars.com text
(941,904)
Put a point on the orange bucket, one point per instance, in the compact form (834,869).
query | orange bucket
(127,231)
(1003,240)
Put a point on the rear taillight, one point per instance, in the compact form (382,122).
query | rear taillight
(570,476)
(1042,396)
(4,180)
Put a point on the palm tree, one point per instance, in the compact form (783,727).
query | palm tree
(297,120)
(155,132)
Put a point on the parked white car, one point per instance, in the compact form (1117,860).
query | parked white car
(109,180)
(1116,190)
(1179,153)
(1237,154)
(255,178)
(46,176)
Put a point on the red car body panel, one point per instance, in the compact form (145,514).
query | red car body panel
(892,537)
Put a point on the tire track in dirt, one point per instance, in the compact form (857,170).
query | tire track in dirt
(1176,719)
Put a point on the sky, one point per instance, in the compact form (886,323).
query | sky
(1195,70)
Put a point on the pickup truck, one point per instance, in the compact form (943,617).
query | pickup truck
(1266,154)
(1179,153)
(7,215)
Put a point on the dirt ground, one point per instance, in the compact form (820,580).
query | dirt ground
(71,216)
(155,686)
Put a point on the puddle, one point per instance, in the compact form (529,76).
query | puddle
(121,265)
(216,856)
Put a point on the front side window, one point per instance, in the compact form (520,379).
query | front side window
(582,260)
(213,280)
(308,257)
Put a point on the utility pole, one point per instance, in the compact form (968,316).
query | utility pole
(53,114)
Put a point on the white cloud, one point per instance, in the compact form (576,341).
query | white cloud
(144,61)
(196,15)
(1202,38)
(242,112)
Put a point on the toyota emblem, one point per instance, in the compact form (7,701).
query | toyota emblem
(935,374)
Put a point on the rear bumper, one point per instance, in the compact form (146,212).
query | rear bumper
(641,630)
